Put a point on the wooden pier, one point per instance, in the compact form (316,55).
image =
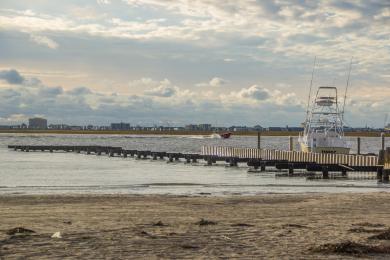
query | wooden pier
(253,157)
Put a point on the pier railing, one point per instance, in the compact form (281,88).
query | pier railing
(291,156)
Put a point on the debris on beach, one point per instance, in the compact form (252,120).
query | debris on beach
(19,230)
(242,225)
(187,246)
(205,222)
(159,224)
(67,222)
(364,230)
(146,234)
(56,235)
(351,248)
(385,235)
(368,224)
(294,226)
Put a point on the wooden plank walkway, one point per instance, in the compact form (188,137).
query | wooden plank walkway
(291,156)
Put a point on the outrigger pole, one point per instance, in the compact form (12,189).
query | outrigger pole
(311,85)
(346,88)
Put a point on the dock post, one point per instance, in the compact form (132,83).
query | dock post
(358,145)
(344,172)
(209,161)
(383,141)
(262,167)
(194,160)
(290,169)
(124,155)
(291,143)
(385,176)
(88,151)
(170,158)
(325,172)
(379,173)
(188,160)
(232,162)
(258,139)
(154,156)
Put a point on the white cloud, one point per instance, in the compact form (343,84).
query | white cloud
(255,92)
(13,119)
(214,82)
(44,41)
(165,89)
(162,100)
(103,2)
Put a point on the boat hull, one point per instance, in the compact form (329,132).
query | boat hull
(319,149)
(225,135)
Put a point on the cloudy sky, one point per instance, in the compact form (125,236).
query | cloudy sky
(173,62)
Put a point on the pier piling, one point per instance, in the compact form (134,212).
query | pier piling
(383,141)
(290,169)
(291,143)
(325,172)
(358,145)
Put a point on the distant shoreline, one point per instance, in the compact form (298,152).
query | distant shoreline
(144,132)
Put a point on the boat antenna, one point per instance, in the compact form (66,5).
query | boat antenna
(346,88)
(311,85)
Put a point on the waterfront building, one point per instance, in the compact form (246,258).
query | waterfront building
(120,126)
(37,123)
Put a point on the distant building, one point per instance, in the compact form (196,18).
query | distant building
(275,128)
(58,127)
(257,128)
(204,127)
(191,127)
(295,129)
(120,126)
(238,128)
(37,123)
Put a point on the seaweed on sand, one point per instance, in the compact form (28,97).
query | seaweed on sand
(205,222)
(19,230)
(351,248)
(385,235)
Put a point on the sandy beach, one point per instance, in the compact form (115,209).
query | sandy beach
(202,227)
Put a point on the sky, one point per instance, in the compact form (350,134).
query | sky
(174,62)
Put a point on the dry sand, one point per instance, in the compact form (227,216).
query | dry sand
(154,227)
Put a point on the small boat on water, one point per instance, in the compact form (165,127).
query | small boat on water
(225,135)
(221,135)
(323,132)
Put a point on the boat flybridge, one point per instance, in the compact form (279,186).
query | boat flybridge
(323,132)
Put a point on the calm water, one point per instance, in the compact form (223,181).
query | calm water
(59,173)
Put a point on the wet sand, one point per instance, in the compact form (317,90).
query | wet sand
(155,227)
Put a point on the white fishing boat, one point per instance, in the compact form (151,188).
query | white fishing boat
(323,132)
(324,124)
